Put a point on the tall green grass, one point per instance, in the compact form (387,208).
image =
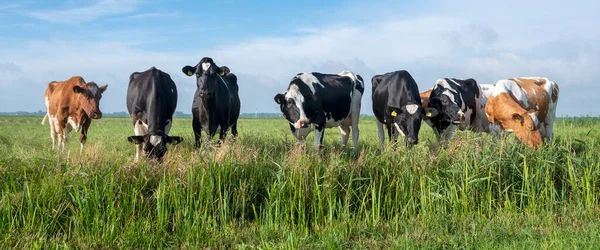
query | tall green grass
(265,191)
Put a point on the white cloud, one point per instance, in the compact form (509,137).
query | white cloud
(488,44)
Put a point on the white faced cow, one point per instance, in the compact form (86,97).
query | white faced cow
(397,104)
(151,102)
(216,104)
(455,103)
(325,101)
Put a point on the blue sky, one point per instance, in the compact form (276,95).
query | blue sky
(267,42)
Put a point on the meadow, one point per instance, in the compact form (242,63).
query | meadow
(265,191)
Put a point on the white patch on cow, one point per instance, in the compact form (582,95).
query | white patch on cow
(155,139)
(534,118)
(93,89)
(310,79)
(398,128)
(205,66)
(513,89)
(442,83)
(298,98)
(140,128)
(47,101)
(172,91)
(73,124)
(412,108)
(449,95)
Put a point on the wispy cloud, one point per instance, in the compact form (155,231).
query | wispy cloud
(100,8)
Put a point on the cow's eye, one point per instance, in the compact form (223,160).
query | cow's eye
(290,101)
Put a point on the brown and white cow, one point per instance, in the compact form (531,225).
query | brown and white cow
(525,106)
(72,104)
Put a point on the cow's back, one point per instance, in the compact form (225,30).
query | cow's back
(59,94)
(151,87)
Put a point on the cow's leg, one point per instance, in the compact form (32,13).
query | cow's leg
(64,129)
(84,131)
(53,130)
(355,130)
(234,132)
(222,133)
(380,133)
(345,132)
(197,129)
(140,130)
(319,133)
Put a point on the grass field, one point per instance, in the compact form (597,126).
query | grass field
(266,192)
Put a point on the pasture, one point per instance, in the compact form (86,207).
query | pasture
(264,191)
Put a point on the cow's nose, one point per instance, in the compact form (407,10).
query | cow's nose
(97,115)
(411,141)
(301,124)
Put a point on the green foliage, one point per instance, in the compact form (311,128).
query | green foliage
(266,191)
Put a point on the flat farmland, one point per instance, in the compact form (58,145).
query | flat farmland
(266,191)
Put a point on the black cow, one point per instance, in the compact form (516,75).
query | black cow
(151,102)
(216,101)
(323,100)
(456,103)
(397,104)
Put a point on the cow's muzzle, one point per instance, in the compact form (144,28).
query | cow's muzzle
(96,115)
(411,141)
(461,119)
(302,123)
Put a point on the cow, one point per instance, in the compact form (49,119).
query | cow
(425,98)
(525,106)
(397,105)
(318,101)
(151,102)
(455,103)
(216,105)
(71,105)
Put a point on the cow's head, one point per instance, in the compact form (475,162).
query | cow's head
(90,95)
(207,74)
(407,121)
(296,105)
(444,108)
(154,146)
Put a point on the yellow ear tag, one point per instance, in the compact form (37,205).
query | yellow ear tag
(428,114)
(222,73)
(394,113)
(190,73)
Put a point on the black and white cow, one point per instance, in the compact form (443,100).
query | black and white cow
(397,104)
(456,103)
(216,101)
(151,102)
(325,101)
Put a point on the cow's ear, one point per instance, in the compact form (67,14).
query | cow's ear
(174,139)
(517,118)
(137,139)
(189,70)
(78,89)
(431,112)
(214,69)
(279,99)
(103,88)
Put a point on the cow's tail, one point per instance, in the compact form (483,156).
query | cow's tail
(44,119)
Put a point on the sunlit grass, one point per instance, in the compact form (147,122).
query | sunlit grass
(266,191)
